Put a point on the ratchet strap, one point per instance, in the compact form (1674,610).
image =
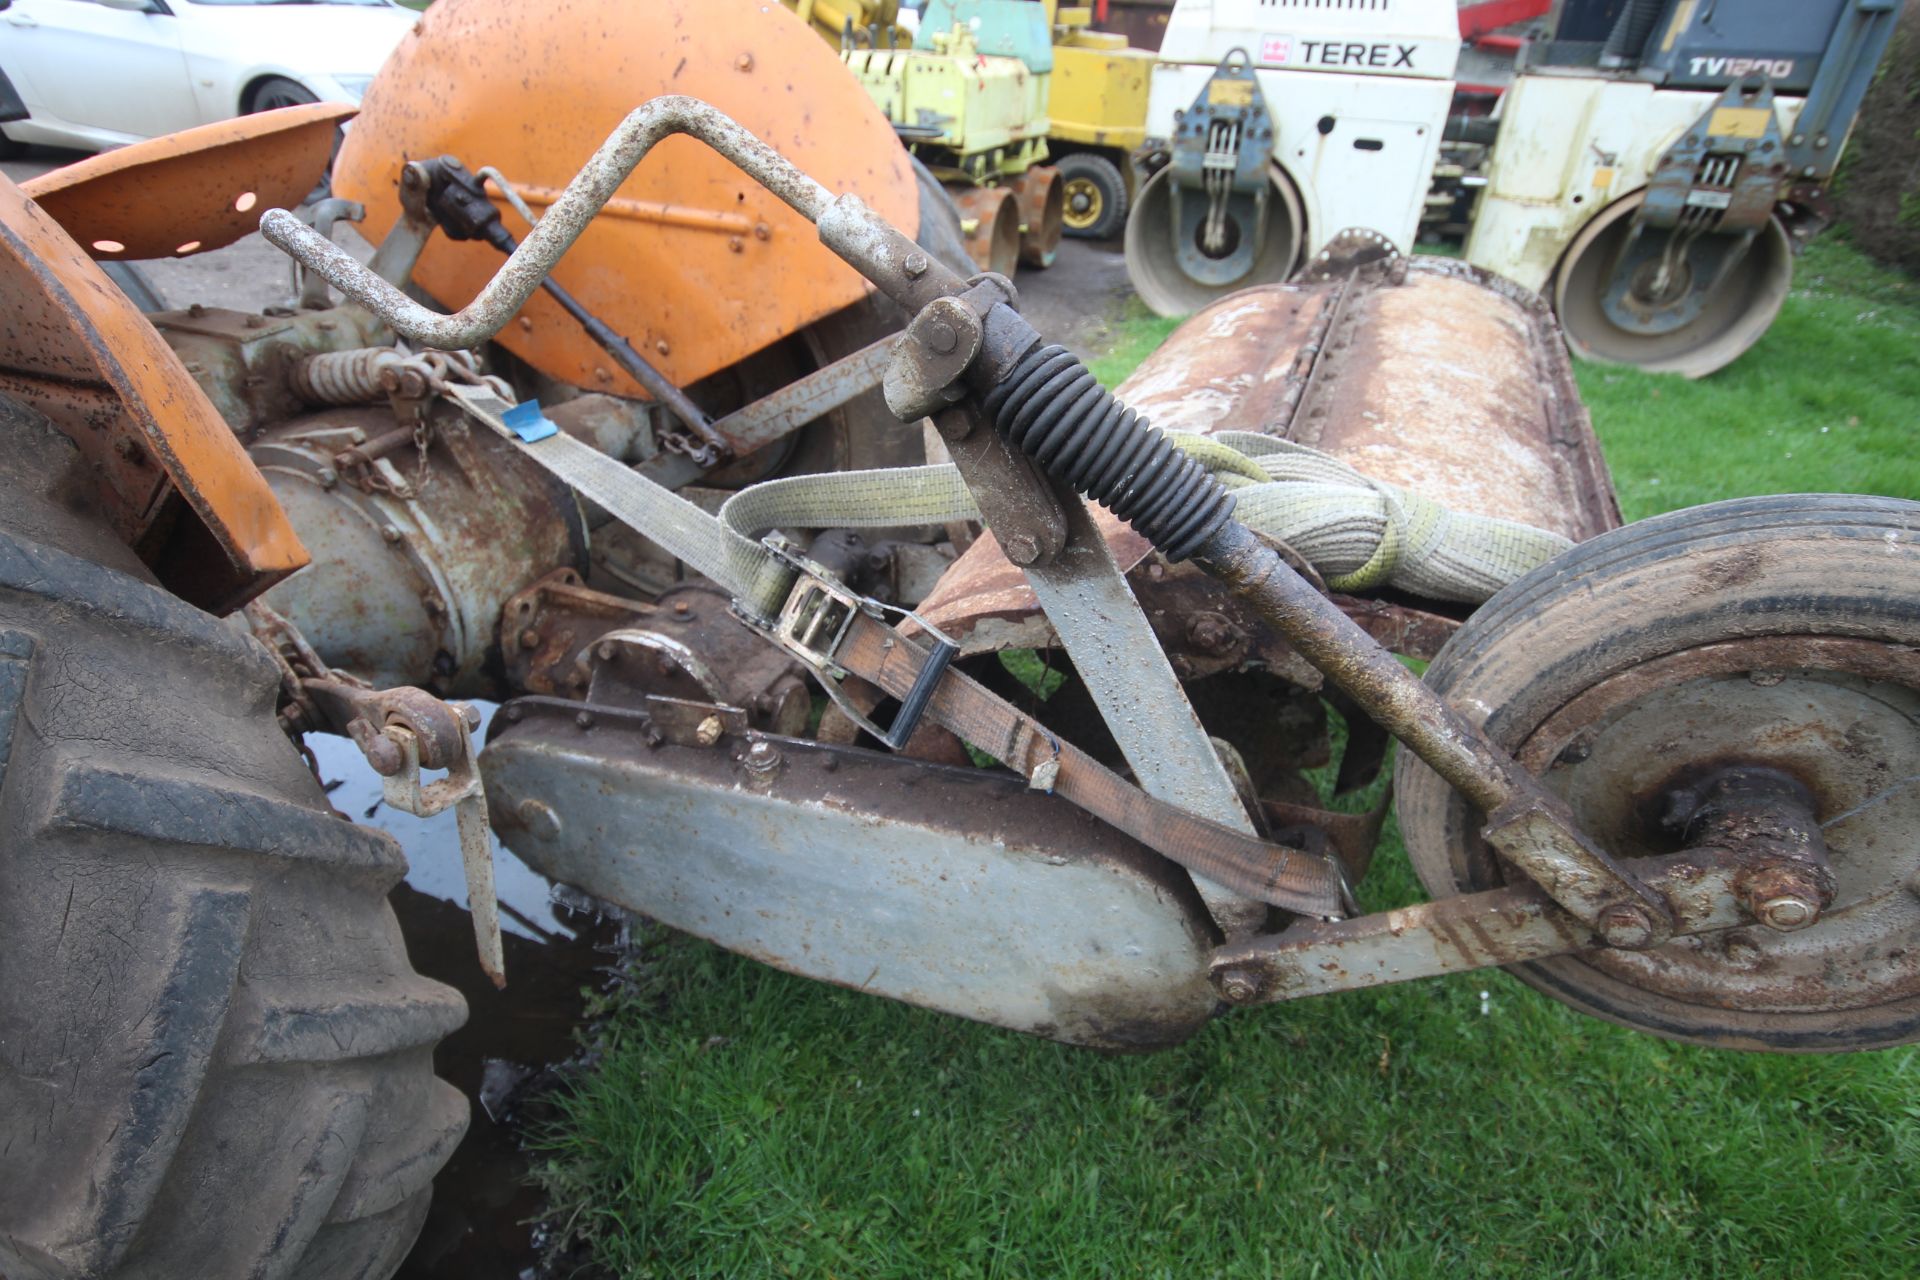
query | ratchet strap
(836,632)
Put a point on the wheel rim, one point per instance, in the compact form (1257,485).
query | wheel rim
(1084,203)
(1753,701)
(1837,715)
(1731,320)
(1155,271)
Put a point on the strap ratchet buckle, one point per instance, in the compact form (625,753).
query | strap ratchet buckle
(813,623)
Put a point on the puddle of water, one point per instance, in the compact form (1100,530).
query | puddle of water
(481,1224)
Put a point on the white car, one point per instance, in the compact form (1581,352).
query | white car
(95,74)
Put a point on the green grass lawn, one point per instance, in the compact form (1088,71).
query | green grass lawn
(740,1122)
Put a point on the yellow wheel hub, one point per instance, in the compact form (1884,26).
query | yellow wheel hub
(1085,203)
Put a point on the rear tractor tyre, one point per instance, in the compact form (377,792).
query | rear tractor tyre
(217,1058)
(1781,633)
(1095,204)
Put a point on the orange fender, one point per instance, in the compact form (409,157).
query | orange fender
(75,349)
(195,190)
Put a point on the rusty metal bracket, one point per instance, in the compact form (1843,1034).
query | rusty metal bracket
(1756,856)
(461,791)
(938,346)
(400,732)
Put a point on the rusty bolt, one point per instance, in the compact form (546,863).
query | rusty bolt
(469,713)
(661,346)
(652,736)
(600,374)
(1783,898)
(709,731)
(736,244)
(390,533)
(328,477)
(1022,549)
(941,337)
(197,310)
(1626,926)
(681,607)
(1212,633)
(761,231)
(1238,987)
(526,324)
(584,719)
(915,265)
(432,603)
(605,650)
(529,639)
(744,62)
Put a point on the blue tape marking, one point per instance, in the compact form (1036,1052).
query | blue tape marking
(528,422)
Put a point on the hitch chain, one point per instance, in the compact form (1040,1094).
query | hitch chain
(399,731)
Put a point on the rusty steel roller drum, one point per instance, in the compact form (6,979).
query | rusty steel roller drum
(696,264)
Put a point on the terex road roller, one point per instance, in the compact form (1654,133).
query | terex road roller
(1654,165)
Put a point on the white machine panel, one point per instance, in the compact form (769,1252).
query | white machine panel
(1401,38)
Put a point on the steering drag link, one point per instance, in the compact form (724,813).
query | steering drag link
(967,341)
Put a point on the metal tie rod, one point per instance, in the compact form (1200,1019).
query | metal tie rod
(846,225)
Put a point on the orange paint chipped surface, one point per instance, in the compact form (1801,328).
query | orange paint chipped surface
(695,263)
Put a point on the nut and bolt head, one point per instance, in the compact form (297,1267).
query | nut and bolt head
(1786,914)
(390,533)
(1021,548)
(1237,987)
(941,337)
(1625,926)
(915,265)
(605,650)
(709,731)
(529,639)
(1784,898)
(1212,633)
(762,757)
(584,719)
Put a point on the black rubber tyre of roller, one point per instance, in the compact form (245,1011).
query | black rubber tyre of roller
(215,1057)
